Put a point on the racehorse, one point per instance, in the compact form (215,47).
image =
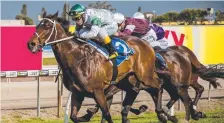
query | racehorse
(197,69)
(184,69)
(87,73)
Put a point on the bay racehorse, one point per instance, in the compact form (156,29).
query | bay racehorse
(87,73)
(184,71)
(197,69)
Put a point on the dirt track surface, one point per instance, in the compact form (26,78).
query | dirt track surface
(20,95)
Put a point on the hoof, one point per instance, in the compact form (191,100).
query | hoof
(74,120)
(195,117)
(143,108)
(173,119)
(201,115)
(85,118)
(162,118)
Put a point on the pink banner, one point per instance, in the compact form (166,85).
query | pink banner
(14,52)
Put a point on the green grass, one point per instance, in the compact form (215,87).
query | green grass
(213,116)
(49,61)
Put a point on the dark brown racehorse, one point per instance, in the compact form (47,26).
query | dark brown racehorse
(184,73)
(197,70)
(87,73)
(185,70)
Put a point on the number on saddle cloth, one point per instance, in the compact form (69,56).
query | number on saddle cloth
(121,47)
(124,51)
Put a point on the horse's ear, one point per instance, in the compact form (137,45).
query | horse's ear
(55,15)
(44,14)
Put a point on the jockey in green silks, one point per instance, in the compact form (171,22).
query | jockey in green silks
(94,23)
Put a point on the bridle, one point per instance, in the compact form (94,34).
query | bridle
(46,42)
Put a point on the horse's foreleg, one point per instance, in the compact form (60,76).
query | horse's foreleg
(155,96)
(172,91)
(76,102)
(199,90)
(110,92)
(101,101)
(109,102)
(127,103)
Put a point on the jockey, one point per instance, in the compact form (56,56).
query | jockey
(94,23)
(138,26)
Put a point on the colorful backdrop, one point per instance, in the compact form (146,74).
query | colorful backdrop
(207,42)
(14,52)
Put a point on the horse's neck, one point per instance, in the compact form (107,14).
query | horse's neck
(63,48)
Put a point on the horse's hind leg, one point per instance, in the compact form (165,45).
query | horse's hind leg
(172,91)
(185,98)
(101,101)
(76,103)
(199,90)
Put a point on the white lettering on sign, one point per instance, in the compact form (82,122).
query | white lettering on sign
(11,73)
(53,72)
(2,74)
(33,73)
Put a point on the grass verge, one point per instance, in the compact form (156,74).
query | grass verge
(213,116)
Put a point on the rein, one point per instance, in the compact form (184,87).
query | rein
(46,42)
(59,40)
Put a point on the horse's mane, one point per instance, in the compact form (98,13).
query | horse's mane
(64,23)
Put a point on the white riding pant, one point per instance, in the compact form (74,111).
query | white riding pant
(104,31)
(151,38)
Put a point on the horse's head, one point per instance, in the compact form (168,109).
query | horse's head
(46,31)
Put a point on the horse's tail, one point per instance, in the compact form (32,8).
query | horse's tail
(208,74)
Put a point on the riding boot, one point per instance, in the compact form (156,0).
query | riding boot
(161,61)
(108,44)
(161,65)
